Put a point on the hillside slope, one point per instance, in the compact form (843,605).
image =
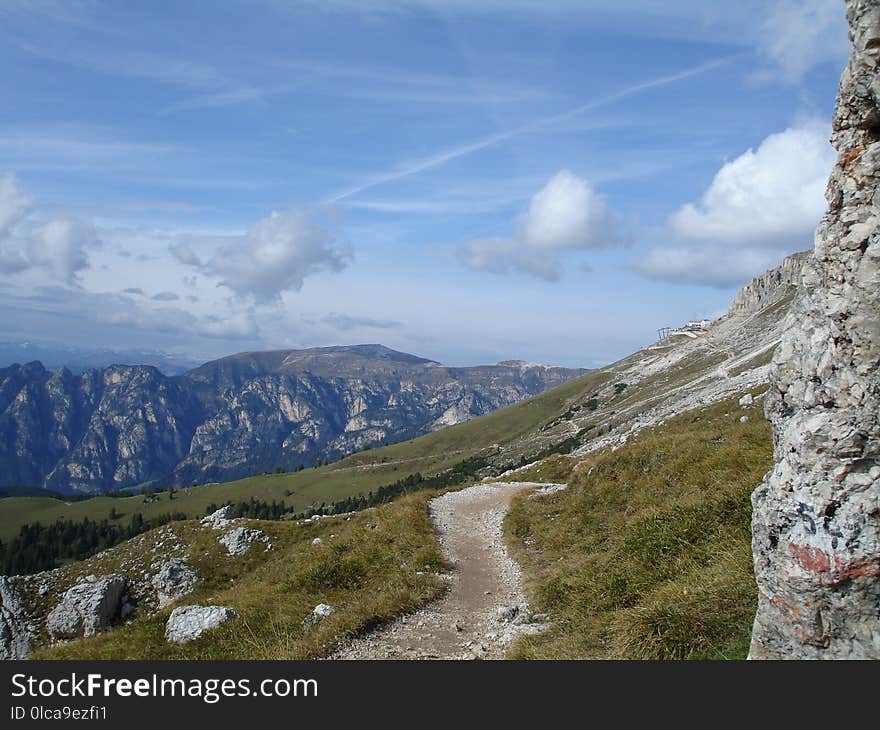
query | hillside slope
(556,436)
(602,408)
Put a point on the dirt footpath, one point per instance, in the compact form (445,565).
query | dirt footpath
(485,607)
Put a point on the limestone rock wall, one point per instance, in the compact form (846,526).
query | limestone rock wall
(769,287)
(816,523)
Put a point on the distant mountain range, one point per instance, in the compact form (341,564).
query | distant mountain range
(80,359)
(122,426)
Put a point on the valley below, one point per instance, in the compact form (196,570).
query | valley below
(607,517)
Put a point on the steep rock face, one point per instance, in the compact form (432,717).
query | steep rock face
(131,425)
(816,524)
(15,634)
(769,287)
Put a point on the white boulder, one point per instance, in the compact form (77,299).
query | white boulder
(189,622)
(87,608)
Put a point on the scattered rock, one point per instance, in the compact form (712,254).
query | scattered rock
(219,519)
(239,539)
(174,580)
(87,608)
(746,400)
(743,419)
(15,636)
(319,613)
(317,541)
(189,622)
(515,614)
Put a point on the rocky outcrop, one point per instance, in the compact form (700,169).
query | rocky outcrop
(816,523)
(174,580)
(190,622)
(238,540)
(219,519)
(769,287)
(88,608)
(120,426)
(15,635)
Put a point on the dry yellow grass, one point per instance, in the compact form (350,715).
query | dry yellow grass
(647,554)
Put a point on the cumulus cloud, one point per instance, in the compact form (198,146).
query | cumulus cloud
(59,246)
(566,214)
(276,255)
(772,195)
(797,35)
(708,266)
(764,204)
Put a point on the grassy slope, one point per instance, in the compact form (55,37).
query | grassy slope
(647,554)
(371,567)
(353,475)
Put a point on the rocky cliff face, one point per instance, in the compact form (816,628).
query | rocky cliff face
(816,525)
(130,425)
(769,287)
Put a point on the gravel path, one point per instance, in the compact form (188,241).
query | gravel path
(485,607)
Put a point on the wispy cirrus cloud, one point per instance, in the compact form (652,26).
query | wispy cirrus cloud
(413,167)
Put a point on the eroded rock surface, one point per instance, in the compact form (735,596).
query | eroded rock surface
(15,635)
(190,622)
(87,608)
(238,540)
(174,580)
(769,287)
(219,519)
(816,524)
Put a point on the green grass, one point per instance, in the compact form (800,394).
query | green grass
(371,567)
(647,554)
(356,474)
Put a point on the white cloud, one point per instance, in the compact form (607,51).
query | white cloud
(708,265)
(15,204)
(759,207)
(773,195)
(503,256)
(276,255)
(566,214)
(797,35)
(184,253)
(60,246)
(345,322)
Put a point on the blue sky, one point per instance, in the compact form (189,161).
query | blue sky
(468,181)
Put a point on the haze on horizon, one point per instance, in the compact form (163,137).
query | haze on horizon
(469,182)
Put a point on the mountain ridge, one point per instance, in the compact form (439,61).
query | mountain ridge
(131,425)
